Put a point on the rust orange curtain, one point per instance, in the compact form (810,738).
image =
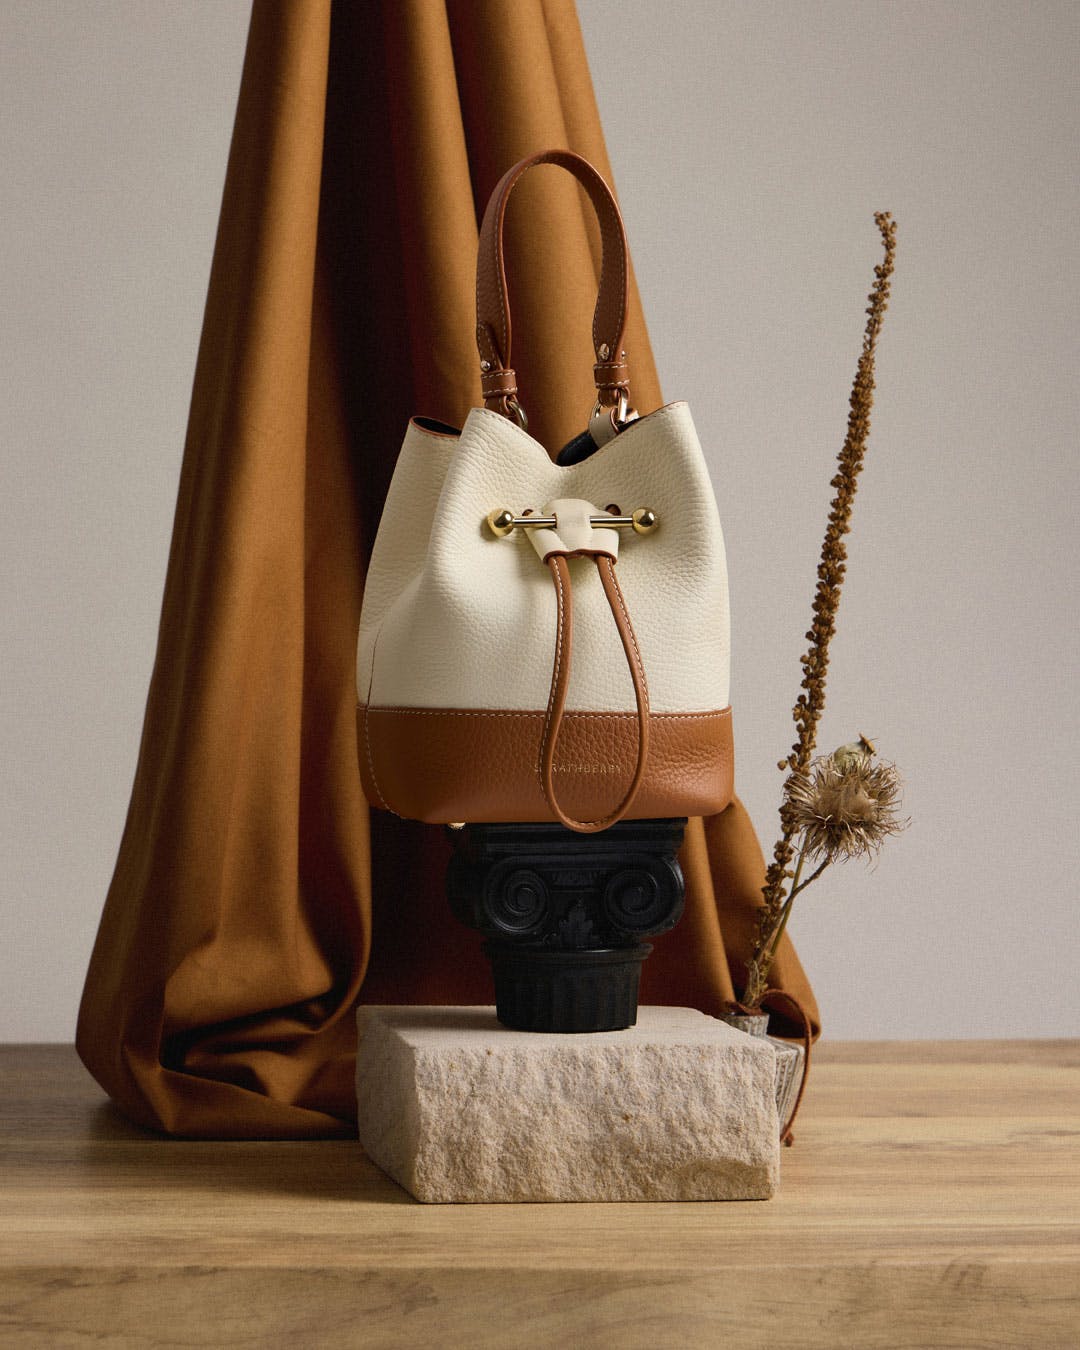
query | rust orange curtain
(256,899)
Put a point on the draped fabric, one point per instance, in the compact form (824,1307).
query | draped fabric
(256,898)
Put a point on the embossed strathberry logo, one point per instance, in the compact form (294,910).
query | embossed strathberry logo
(586,768)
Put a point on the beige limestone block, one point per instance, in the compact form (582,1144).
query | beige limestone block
(457,1108)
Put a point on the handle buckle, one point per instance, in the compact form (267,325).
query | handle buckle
(620,412)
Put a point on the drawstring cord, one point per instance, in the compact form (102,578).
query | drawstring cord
(560,680)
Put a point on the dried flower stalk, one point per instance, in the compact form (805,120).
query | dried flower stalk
(815,663)
(845,806)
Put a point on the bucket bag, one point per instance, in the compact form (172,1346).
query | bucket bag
(548,639)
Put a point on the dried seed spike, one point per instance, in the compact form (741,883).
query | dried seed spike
(831,572)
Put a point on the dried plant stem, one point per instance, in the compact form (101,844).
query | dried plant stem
(797,886)
(810,704)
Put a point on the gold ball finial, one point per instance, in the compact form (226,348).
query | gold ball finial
(645,520)
(500,522)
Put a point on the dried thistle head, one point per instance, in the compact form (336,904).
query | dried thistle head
(846,804)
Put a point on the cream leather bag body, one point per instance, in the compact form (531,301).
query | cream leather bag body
(548,640)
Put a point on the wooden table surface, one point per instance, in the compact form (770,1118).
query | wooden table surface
(932,1199)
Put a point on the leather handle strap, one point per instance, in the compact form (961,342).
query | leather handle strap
(493,331)
(560,680)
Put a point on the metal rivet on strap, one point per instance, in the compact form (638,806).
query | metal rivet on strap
(605,351)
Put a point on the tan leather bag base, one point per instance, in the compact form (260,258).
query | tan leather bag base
(483,765)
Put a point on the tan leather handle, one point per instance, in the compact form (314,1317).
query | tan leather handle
(493,332)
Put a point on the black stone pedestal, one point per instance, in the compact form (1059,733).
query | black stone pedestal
(565,915)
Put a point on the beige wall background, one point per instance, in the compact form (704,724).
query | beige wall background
(752,143)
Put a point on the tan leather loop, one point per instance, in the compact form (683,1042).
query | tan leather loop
(610,377)
(493,331)
(560,680)
(498,383)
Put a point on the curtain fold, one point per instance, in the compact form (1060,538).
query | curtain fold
(255,897)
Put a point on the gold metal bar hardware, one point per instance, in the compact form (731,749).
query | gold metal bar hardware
(502,522)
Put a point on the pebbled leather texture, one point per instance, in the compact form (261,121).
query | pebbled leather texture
(455,618)
(454,764)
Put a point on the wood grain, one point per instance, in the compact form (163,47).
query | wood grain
(932,1199)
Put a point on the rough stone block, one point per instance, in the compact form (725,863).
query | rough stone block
(456,1108)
